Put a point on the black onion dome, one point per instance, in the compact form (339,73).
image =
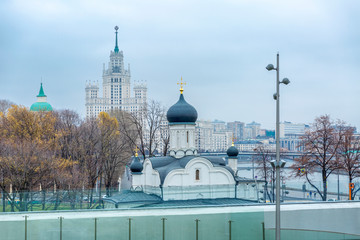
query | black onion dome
(181,112)
(232,151)
(136,165)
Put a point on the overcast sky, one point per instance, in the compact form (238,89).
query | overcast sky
(221,49)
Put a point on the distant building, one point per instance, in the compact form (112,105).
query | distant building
(212,136)
(219,126)
(41,104)
(252,130)
(116,88)
(221,141)
(250,145)
(292,129)
(270,133)
(237,128)
(292,144)
(290,134)
(203,138)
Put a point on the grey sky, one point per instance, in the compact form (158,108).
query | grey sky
(220,48)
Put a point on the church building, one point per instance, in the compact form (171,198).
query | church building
(184,174)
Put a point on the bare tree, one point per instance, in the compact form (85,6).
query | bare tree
(115,150)
(129,129)
(349,156)
(321,145)
(89,154)
(154,118)
(165,137)
(142,130)
(67,125)
(69,177)
(5,105)
(262,158)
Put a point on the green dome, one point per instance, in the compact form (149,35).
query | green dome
(41,106)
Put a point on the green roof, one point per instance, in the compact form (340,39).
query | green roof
(41,92)
(41,106)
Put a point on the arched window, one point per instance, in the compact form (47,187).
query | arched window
(197,174)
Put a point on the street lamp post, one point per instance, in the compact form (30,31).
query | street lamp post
(277,165)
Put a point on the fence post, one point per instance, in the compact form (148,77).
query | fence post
(197,228)
(230,229)
(61,218)
(95,228)
(26,217)
(163,228)
(129,228)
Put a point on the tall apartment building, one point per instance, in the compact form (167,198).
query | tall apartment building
(212,136)
(252,130)
(237,128)
(221,141)
(203,137)
(116,88)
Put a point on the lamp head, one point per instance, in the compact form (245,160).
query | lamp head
(273,163)
(275,96)
(270,67)
(285,81)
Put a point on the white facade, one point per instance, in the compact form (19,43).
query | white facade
(292,129)
(116,89)
(182,140)
(183,184)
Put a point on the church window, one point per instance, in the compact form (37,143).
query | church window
(197,174)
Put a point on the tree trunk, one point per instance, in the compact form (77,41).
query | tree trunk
(100,198)
(324,186)
(108,186)
(81,196)
(43,194)
(3,200)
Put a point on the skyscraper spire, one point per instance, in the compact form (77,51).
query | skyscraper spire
(116,40)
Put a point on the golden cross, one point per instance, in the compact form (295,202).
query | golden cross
(181,83)
(136,151)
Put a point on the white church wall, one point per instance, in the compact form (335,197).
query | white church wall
(137,182)
(198,192)
(213,182)
(151,177)
(208,174)
(248,190)
(183,136)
